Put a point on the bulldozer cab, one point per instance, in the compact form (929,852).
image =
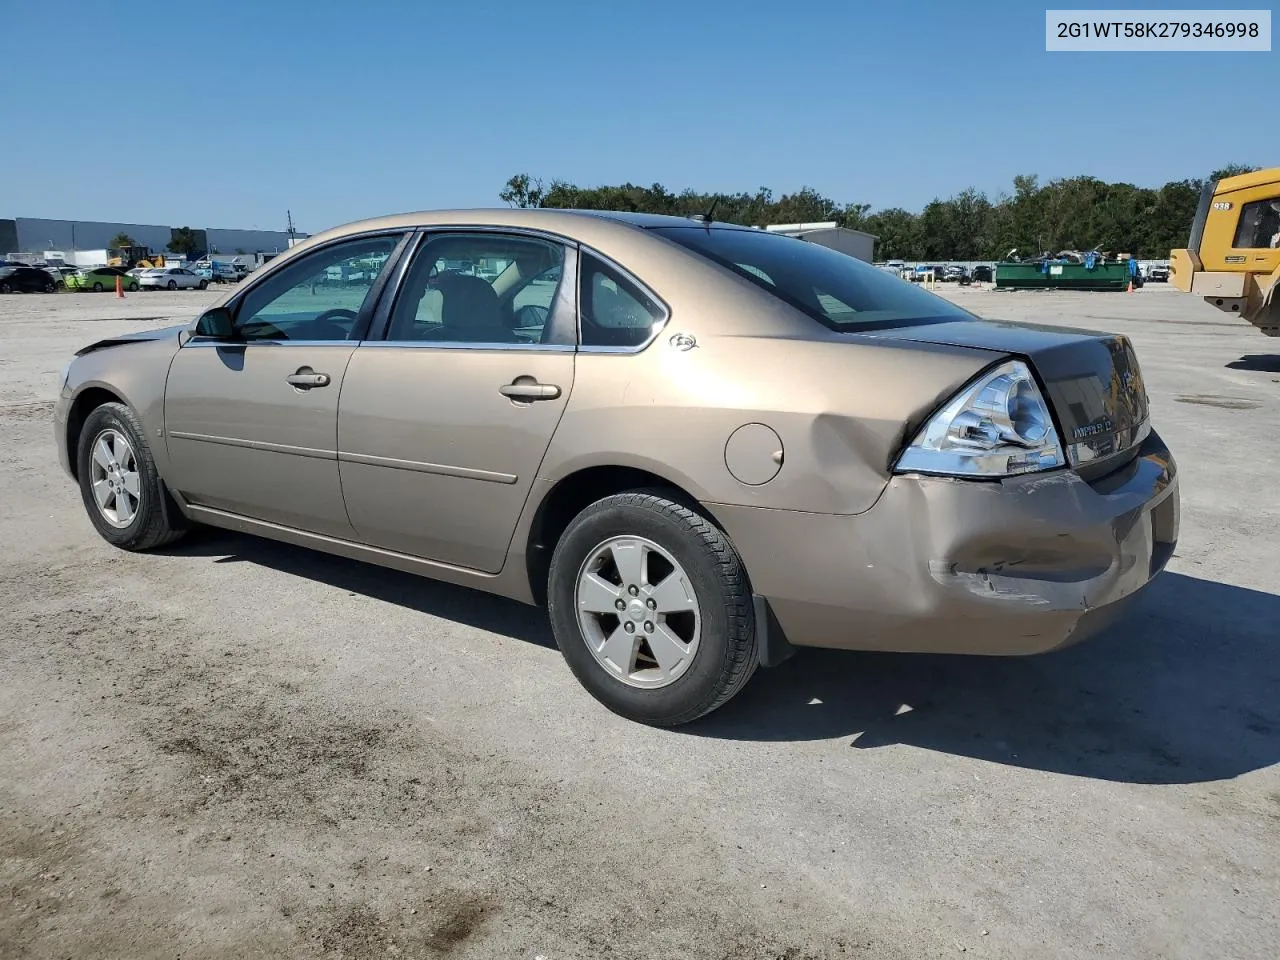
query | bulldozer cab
(136,256)
(1233,256)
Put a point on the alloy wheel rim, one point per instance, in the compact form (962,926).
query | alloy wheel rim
(114,478)
(638,612)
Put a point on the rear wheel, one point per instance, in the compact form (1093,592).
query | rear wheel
(133,285)
(172,284)
(97,288)
(204,284)
(5,287)
(122,491)
(651,608)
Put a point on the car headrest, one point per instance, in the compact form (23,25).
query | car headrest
(469,302)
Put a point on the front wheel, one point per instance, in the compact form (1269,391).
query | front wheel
(122,491)
(133,285)
(97,288)
(204,284)
(651,608)
(5,287)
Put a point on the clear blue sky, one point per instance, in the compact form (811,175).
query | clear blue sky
(225,114)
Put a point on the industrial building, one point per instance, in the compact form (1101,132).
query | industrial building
(85,242)
(854,243)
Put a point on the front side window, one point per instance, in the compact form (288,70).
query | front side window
(839,291)
(481,288)
(320,296)
(615,311)
(1259,225)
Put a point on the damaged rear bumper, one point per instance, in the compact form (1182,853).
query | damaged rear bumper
(1018,566)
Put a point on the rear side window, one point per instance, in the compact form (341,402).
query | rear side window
(615,311)
(837,290)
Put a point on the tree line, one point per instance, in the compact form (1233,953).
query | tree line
(1070,213)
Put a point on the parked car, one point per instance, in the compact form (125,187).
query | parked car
(60,273)
(954,273)
(228,272)
(98,279)
(706,446)
(922,271)
(172,278)
(983,273)
(16,278)
(1158,273)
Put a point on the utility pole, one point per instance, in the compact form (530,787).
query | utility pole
(292,232)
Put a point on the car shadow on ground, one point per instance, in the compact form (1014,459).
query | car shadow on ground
(1183,690)
(460,604)
(1261,362)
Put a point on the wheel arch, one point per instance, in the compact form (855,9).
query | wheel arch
(87,400)
(571,495)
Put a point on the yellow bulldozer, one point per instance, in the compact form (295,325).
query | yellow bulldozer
(126,258)
(1233,256)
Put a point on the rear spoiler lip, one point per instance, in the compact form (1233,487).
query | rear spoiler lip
(1202,214)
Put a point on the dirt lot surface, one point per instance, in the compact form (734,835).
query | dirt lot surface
(236,749)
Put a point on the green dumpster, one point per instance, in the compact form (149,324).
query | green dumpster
(1114,275)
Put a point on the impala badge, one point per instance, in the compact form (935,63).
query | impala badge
(683,341)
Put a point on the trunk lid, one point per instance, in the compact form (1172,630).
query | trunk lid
(1092,381)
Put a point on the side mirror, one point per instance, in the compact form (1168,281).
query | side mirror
(216,323)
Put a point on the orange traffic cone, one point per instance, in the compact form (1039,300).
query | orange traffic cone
(119,288)
(1130,286)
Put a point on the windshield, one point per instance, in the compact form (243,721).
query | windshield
(837,290)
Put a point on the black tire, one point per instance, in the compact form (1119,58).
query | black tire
(5,287)
(158,520)
(726,655)
(204,284)
(133,285)
(172,284)
(50,287)
(97,288)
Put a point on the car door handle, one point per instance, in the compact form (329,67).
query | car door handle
(306,380)
(526,389)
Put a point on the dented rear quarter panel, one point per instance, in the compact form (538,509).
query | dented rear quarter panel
(842,409)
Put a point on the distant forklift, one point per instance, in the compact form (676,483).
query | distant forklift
(127,258)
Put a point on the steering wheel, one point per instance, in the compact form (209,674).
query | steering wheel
(324,324)
(335,314)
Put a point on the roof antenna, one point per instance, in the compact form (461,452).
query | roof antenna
(706,217)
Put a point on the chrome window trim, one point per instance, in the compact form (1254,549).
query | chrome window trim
(658,326)
(468,345)
(199,341)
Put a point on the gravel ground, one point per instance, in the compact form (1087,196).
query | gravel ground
(239,749)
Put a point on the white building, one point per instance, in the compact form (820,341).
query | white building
(86,242)
(855,243)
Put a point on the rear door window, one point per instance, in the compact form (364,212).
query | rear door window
(483,288)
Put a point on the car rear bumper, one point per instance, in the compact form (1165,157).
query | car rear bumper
(1019,566)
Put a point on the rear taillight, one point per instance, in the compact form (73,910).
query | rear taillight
(997,426)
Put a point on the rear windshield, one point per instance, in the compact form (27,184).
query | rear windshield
(837,290)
